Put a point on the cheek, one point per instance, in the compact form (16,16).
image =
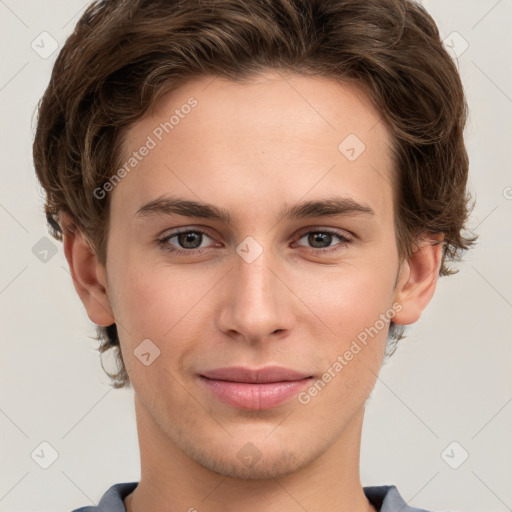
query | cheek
(151,302)
(349,298)
(151,306)
(354,306)
(352,356)
(165,304)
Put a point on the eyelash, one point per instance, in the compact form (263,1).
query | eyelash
(163,242)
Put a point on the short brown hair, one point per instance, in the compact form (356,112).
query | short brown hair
(125,54)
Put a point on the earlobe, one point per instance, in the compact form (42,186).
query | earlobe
(418,280)
(88,276)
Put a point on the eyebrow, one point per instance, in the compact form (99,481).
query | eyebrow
(307,209)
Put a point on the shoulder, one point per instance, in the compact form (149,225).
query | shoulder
(112,500)
(386,498)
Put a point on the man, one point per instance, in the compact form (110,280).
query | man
(254,199)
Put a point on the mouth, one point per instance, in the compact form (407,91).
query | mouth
(256,389)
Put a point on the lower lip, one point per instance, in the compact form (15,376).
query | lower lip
(254,396)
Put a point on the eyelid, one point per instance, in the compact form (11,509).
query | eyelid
(308,229)
(324,229)
(163,240)
(187,229)
(345,237)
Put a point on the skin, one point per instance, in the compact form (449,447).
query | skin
(252,148)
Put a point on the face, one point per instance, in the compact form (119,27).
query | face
(251,305)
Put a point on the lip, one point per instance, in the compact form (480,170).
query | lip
(256,389)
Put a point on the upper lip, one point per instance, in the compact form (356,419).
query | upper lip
(258,375)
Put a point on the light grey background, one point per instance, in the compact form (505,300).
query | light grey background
(449,380)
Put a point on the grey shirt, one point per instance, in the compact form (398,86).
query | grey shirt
(385,498)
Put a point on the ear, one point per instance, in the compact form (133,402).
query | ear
(89,277)
(418,279)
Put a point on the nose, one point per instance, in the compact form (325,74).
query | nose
(257,302)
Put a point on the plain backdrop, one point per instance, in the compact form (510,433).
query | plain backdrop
(445,395)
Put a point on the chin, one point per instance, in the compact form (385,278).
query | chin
(248,463)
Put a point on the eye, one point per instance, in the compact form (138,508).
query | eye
(190,242)
(321,239)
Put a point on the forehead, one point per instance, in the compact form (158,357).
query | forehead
(277,138)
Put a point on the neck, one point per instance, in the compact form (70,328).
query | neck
(171,481)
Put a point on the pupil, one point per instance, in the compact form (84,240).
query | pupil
(319,237)
(190,237)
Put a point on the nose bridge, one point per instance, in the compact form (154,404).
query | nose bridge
(257,303)
(256,280)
